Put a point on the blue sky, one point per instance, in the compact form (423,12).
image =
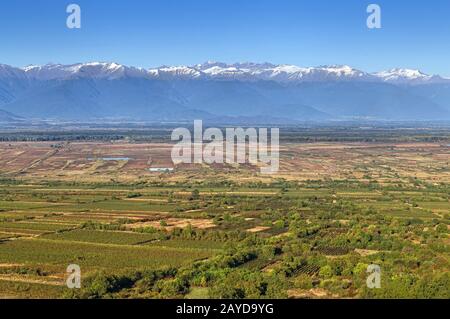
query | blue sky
(415,34)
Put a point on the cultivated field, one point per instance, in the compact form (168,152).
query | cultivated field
(119,161)
(309,231)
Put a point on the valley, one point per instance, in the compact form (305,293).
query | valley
(226,231)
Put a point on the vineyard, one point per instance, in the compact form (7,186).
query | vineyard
(333,251)
(231,234)
(309,270)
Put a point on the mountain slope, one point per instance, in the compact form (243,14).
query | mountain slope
(437,93)
(369,100)
(284,73)
(97,90)
(82,99)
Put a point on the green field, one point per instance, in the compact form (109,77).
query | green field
(229,232)
(92,256)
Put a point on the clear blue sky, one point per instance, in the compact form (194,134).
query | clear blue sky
(415,34)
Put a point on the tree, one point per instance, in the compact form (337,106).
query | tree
(326,272)
(195,195)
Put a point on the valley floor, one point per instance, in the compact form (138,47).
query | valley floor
(224,231)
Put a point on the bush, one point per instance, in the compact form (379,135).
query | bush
(326,272)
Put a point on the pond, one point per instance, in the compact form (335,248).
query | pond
(109,158)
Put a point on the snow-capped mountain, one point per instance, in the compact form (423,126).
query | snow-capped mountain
(408,76)
(292,73)
(281,73)
(9,72)
(99,70)
(221,71)
(175,72)
(99,90)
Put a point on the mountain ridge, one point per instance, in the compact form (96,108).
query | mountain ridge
(246,71)
(214,90)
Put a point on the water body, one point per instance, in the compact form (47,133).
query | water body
(161,169)
(109,158)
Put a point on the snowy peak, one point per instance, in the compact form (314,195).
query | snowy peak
(288,73)
(244,66)
(230,72)
(407,76)
(245,71)
(101,70)
(281,73)
(342,71)
(50,71)
(293,73)
(109,71)
(175,72)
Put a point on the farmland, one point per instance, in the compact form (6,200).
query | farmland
(309,231)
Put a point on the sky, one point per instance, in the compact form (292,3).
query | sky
(149,33)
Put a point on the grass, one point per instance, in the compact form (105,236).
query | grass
(33,226)
(198,293)
(101,237)
(11,289)
(89,256)
(438,206)
(3,236)
(18,231)
(414,213)
(23,205)
(197,244)
(131,238)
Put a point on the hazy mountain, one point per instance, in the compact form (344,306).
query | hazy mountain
(438,93)
(215,90)
(409,77)
(221,71)
(369,100)
(85,98)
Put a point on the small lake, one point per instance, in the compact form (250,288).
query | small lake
(109,158)
(161,169)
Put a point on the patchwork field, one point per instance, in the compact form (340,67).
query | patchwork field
(119,161)
(309,231)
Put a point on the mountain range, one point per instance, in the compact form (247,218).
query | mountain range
(265,92)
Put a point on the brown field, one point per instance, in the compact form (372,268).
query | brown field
(83,161)
(97,203)
(172,223)
(258,229)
